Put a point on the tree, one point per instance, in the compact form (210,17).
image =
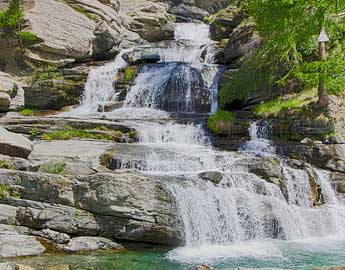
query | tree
(289,29)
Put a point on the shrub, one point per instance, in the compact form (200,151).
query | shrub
(46,73)
(221,121)
(10,18)
(27,38)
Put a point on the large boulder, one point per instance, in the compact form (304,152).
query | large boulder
(72,31)
(147,18)
(181,88)
(91,244)
(5,101)
(11,93)
(19,245)
(53,94)
(242,43)
(14,145)
(63,30)
(187,13)
(116,206)
(225,22)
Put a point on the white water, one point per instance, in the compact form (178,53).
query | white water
(241,215)
(99,86)
(259,142)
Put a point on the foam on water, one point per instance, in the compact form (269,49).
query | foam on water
(210,254)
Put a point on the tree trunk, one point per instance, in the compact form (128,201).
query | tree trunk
(323,99)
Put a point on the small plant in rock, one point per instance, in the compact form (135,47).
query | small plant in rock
(53,167)
(27,112)
(6,191)
(4,164)
(129,74)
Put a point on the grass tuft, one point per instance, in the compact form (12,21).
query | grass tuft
(53,167)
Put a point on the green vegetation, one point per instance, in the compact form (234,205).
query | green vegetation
(129,74)
(27,112)
(221,121)
(4,164)
(6,191)
(53,167)
(27,38)
(46,73)
(69,132)
(280,106)
(290,30)
(10,25)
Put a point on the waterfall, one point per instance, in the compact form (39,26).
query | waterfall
(259,139)
(242,213)
(99,87)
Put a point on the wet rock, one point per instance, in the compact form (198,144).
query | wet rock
(266,167)
(14,145)
(19,245)
(91,244)
(56,237)
(139,56)
(187,13)
(214,177)
(185,78)
(109,106)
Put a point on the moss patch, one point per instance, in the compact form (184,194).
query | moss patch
(129,74)
(69,132)
(27,112)
(221,121)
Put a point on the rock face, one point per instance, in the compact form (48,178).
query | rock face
(80,30)
(149,19)
(14,145)
(19,245)
(11,93)
(243,42)
(90,244)
(53,94)
(115,206)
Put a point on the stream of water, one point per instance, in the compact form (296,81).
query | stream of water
(242,221)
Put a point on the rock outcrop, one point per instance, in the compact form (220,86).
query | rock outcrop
(115,206)
(14,145)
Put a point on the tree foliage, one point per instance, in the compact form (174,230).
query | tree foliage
(10,24)
(289,29)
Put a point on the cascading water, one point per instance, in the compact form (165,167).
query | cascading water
(259,142)
(240,215)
